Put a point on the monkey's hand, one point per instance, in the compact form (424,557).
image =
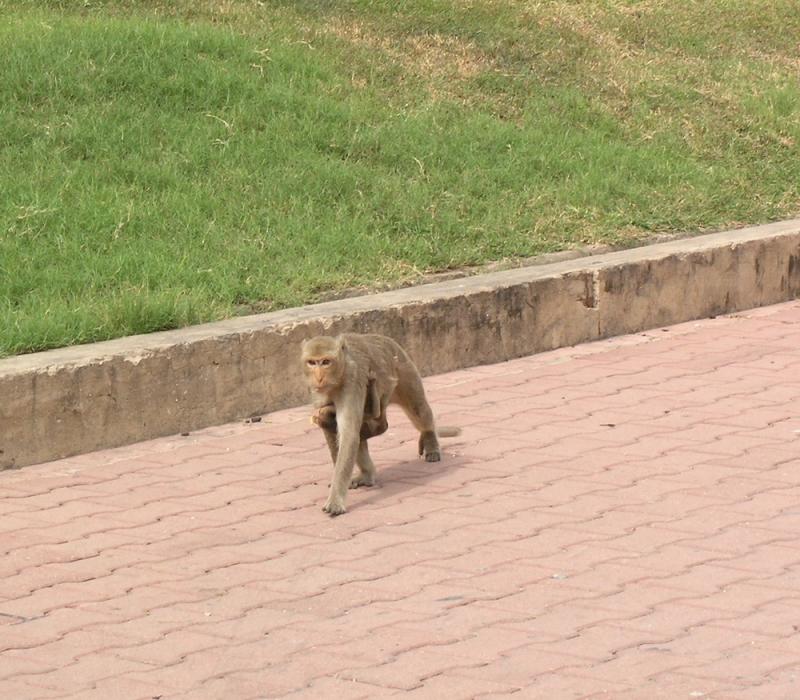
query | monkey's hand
(325,418)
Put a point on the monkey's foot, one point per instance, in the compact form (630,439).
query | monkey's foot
(429,446)
(334,507)
(362,480)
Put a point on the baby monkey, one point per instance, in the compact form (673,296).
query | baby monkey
(354,377)
(374,422)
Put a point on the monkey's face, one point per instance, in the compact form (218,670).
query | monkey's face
(323,373)
(324,363)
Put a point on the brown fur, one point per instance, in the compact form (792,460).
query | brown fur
(340,371)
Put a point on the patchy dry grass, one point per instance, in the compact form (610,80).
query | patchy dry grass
(427,57)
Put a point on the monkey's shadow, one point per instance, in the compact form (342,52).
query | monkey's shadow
(398,478)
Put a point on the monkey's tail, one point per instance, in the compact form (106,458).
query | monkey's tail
(446,431)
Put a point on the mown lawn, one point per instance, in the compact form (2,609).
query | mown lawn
(167,163)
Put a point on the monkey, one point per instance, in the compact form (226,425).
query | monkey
(338,371)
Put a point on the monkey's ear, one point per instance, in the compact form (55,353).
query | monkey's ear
(341,346)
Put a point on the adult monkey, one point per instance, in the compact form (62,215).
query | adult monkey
(338,371)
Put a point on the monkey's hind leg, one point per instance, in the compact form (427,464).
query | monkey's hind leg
(429,446)
(420,414)
(366,468)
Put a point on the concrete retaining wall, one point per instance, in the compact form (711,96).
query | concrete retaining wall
(63,402)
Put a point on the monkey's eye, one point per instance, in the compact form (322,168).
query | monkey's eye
(325,363)
(311,363)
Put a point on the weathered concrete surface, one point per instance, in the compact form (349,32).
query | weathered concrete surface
(64,402)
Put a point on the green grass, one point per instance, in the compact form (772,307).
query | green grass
(163,164)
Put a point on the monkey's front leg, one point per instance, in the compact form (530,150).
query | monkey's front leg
(366,468)
(325,418)
(349,423)
(333,445)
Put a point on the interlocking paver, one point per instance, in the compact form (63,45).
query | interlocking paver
(618,519)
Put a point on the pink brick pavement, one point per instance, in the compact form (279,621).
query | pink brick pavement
(619,519)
